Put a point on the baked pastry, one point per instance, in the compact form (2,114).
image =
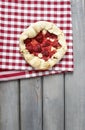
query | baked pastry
(42,45)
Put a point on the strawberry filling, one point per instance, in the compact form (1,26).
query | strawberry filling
(43,44)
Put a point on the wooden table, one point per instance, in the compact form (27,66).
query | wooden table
(49,103)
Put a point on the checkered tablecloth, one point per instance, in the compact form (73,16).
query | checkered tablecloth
(15,16)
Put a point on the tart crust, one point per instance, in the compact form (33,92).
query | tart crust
(31,32)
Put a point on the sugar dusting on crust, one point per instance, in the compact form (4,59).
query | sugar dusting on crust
(40,55)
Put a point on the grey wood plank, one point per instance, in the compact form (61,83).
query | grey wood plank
(31,104)
(75,83)
(53,102)
(9,109)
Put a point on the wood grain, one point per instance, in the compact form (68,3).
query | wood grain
(53,103)
(9,109)
(31,104)
(75,83)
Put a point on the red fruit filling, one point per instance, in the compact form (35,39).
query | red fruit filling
(42,43)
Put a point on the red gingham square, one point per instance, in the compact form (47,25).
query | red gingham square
(15,16)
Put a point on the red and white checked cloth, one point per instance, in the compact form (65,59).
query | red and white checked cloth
(15,16)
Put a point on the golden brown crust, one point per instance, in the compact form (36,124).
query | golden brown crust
(36,61)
